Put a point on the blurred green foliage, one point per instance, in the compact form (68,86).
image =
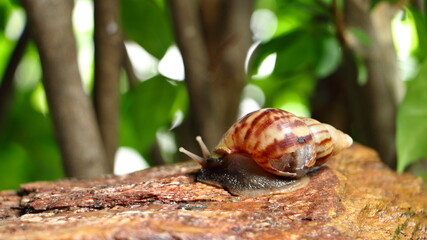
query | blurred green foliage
(412,115)
(28,150)
(147,108)
(305,36)
(412,124)
(147,23)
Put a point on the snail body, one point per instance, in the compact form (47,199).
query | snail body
(268,151)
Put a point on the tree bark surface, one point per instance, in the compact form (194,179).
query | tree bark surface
(354,196)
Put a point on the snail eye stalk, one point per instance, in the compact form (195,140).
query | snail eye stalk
(193,156)
(203,147)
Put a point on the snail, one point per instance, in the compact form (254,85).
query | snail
(268,151)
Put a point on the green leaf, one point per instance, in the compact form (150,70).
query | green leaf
(28,150)
(15,2)
(146,23)
(329,56)
(3,16)
(145,109)
(362,71)
(295,52)
(266,4)
(299,55)
(421,26)
(312,50)
(360,35)
(278,89)
(293,14)
(14,159)
(412,122)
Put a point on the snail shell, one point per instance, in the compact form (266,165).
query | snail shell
(267,150)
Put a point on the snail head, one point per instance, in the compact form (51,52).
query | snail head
(207,161)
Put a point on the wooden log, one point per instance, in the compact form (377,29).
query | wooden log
(354,196)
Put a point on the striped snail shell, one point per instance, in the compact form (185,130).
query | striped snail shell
(268,151)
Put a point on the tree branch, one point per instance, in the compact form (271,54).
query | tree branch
(373,105)
(6,87)
(229,74)
(188,34)
(376,101)
(73,115)
(214,38)
(341,32)
(108,62)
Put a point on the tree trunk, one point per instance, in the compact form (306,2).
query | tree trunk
(373,105)
(213,37)
(380,97)
(72,112)
(108,62)
(354,197)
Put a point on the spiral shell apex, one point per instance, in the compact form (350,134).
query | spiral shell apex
(282,143)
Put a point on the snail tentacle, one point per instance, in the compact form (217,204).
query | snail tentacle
(193,156)
(203,147)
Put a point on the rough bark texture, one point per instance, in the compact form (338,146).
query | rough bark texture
(108,62)
(72,112)
(213,37)
(354,197)
(374,104)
